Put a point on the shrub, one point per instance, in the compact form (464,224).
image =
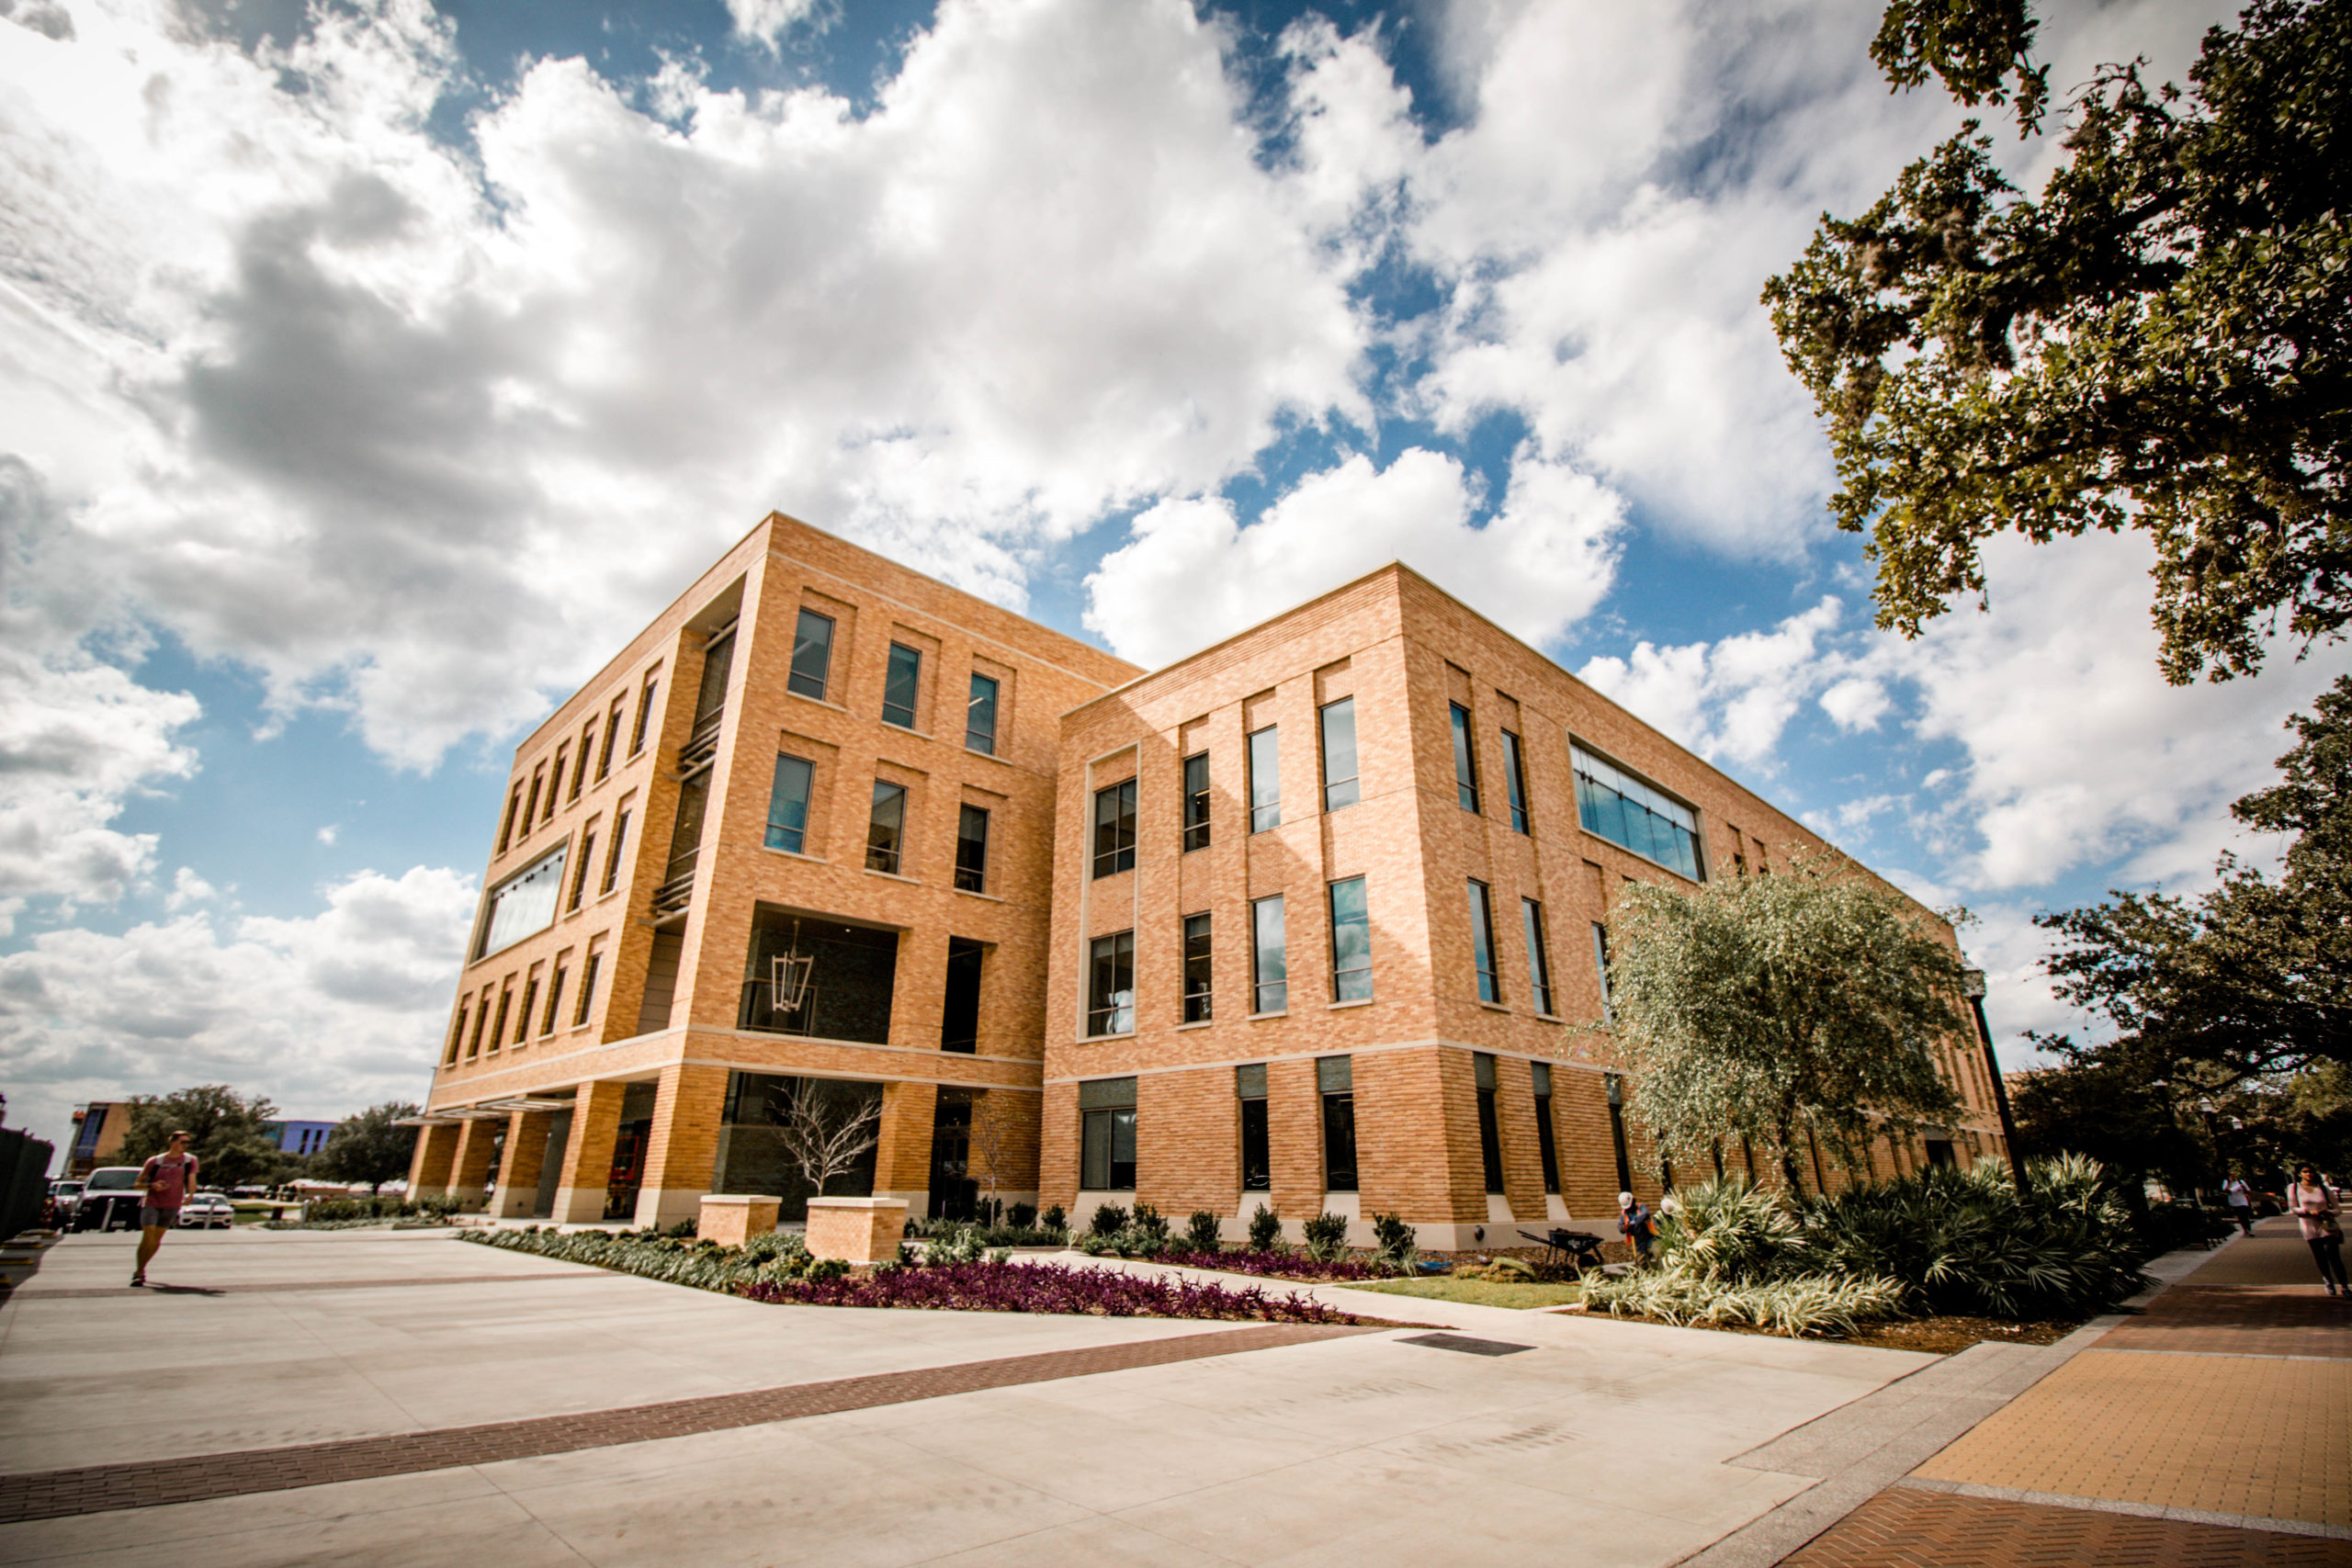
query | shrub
(1285,1263)
(1053,1219)
(684,1227)
(954,1244)
(1150,1222)
(703,1265)
(1265,1230)
(1814,1304)
(1327,1238)
(1202,1233)
(1109,1220)
(1392,1244)
(1047,1288)
(1023,1216)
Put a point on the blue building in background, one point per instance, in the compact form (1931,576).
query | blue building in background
(298,1137)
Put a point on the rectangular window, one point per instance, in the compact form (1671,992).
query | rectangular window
(554,999)
(1269,959)
(587,747)
(1198,977)
(1546,1143)
(900,681)
(886,829)
(1265,779)
(1482,942)
(554,783)
(1115,829)
(959,1018)
(1339,728)
(644,713)
(1257,1145)
(1490,1140)
(1601,965)
(612,737)
(1335,1077)
(1107,1141)
(613,856)
(482,1022)
(531,804)
(1515,781)
(972,850)
(524,903)
(1111,984)
(1539,962)
(979,716)
(1350,943)
(1466,759)
(812,655)
(498,1030)
(587,987)
(1196,802)
(1631,815)
(789,804)
(523,1016)
(457,1035)
(513,809)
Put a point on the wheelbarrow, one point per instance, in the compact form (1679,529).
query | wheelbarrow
(1580,1249)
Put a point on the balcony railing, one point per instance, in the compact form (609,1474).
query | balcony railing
(702,744)
(675,894)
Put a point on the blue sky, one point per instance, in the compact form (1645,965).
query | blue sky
(370,371)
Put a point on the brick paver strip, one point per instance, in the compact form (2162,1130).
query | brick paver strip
(2266,1257)
(103,1488)
(1903,1526)
(2240,1320)
(169,1287)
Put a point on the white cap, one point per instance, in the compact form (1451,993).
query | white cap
(1625,1200)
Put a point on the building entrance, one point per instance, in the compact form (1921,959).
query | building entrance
(953,1194)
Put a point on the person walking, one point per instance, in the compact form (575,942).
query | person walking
(1633,1224)
(2240,1198)
(2313,1204)
(168,1179)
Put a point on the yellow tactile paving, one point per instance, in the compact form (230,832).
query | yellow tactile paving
(2248,1435)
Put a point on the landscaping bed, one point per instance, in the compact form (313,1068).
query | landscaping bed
(1519,1295)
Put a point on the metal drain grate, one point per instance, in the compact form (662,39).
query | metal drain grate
(1464,1343)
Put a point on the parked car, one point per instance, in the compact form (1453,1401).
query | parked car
(211,1210)
(110,1199)
(63,1197)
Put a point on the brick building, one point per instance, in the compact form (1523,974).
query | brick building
(1311,917)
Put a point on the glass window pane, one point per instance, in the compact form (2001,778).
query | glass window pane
(979,716)
(1198,973)
(1122,1151)
(1465,762)
(1269,957)
(1095,1140)
(1628,812)
(1482,943)
(1115,829)
(1539,962)
(1265,779)
(1196,802)
(1340,787)
(972,850)
(812,655)
(525,903)
(1110,996)
(789,805)
(1515,781)
(1338,1143)
(885,831)
(1350,943)
(901,683)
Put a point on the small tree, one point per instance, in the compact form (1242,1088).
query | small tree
(368,1147)
(824,1130)
(224,1128)
(985,1141)
(1810,999)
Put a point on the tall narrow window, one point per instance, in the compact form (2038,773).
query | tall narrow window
(613,856)
(1515,781)
(886,829)
(1490,1138)
(1111,984)
(587,986)
(482,1020)
(644,696)
(959,1018)
(979,716)
(1335,1079)
(612,739)
(812,655)
(555,999)
(1601,965)
(972,850)
(1199,980)
(1115,829)
(1339,727)
(498,1030)
(1617,1134)
(513,809)
(1269,958)
(522,1015)
(685,832)
(555,783)
(900,681)
(531,803)
(1106,1136)
(1465,760)
(587,748)
(789,804)
(1546,1143)
(1257,1150)
(1482,942)
(1265,779)
(457,1035)
(1539,962)
(1196,802)
(1350,943)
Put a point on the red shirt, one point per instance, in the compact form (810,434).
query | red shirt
(168,1179)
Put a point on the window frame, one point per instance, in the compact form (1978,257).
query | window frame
(1107,1016)
(1490,1132)
(1593,813)
(1338,793)
(1515,780)
(1198,933)
(1344,976)
(1265,806)
(798,679)
(1261,988)
(1336,1122)
(1600,966)
(1112,1119)
(893,794)
(971,868)
(1539,955)
(1119,855)
(1482,943)
(775,829)
(487,942)
(1196,803)
(1465,757)
(645,692)
(1547,1144)
(976,739)
(911,677)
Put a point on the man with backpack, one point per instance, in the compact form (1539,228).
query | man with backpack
(167,1180)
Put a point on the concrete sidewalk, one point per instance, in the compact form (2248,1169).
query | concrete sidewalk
(815,1434)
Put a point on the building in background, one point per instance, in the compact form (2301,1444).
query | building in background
(1315,918)
(99,1128)
(303,1138)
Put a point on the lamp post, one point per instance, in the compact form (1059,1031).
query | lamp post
(1972,986)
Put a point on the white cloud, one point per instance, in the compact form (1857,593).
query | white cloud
(765,21)
(187,888)
(1855,704)
(1192,573)
(1728,699)
(324,1014)
(327,835)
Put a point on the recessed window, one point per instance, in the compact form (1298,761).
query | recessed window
(587,747)
(554,999)
(587,857)
(1199,977)
(1335,1079)
(1490,1142)
(1115,829)
(1265,779)
(456,1034)
(613,856)
(1196,802)
(901,683)
(531,804)
(513,809)
(812,655)
(612,737)
(524,903)
(1111,984)
(789,804)
(1515,781)
(972,850)
(1601,963)
(498,1030)
(959,1020)
(1482,942)
(1257,1151)
(588,987)
(1547,1140)
(644,696)
(1630,814)
(1338,722)
(1269,957)
(1465,758)
(1350,943)
(1539,962)
(979,716)
(555,783)
(523,1016)
(1106,1136)
(885,828)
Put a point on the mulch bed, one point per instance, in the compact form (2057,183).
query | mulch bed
(1944,1336)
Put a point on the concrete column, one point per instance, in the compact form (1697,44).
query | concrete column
(470,1166)
(428,1169)
(588,1157)
(682,1146)
(518,1172)
(902,1154)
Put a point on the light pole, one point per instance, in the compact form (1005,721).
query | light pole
(1972,985)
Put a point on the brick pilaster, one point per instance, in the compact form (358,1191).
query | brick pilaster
(518,1172)
(683,1144)
(588,1157)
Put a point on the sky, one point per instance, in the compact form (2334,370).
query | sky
(369,371)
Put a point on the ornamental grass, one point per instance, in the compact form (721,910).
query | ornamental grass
(1045,1288)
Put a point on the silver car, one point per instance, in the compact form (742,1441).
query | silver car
(210,1210)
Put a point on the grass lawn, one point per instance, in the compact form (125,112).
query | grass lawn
(1478,1293)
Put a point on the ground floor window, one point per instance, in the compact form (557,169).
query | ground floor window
(1546,1143)
(1106,1108)
(755,1137)
(1257,1151)
(1335,1077)
(1490,1140)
